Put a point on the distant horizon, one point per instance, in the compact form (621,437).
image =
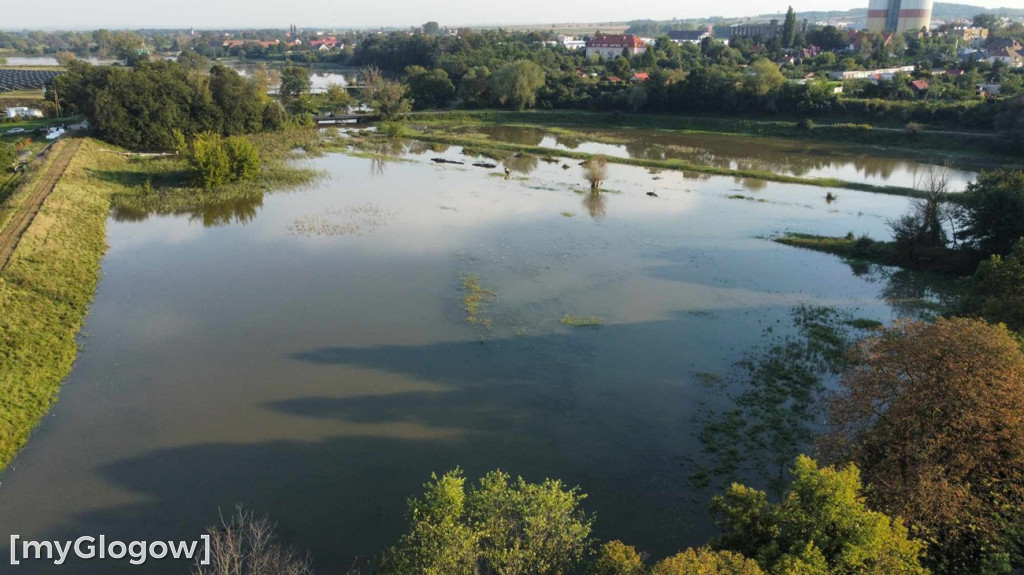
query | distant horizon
(230,15)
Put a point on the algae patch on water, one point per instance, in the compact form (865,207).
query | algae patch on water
(582,321)
(347,221)
(475,300)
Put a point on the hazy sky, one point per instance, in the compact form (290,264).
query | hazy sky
(79,14)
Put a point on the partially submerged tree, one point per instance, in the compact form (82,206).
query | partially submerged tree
(934,415)
(387,96)
(247,544)
(595,171)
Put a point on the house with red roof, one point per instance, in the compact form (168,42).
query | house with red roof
(920,87)
(611,46)
(641,77)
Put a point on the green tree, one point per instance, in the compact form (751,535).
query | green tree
(764,78)
(7,156)
(439,541)
(239,101)
(337,97)
(934,415)
(789,29)
(996,292)
(705,561)
(821,526)
(387,96)
(211,166)
(295,83)
(515,84)
(617,558)
(243,157)
(993,218)
(429,89)
(1010,120)
(192,61)
(431,28)
(499,526)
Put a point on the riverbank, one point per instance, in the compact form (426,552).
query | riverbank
(978,145)
(864,250)
(45,291)
(49,282)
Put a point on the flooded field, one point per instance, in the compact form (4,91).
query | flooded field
(782,156)
(318,354)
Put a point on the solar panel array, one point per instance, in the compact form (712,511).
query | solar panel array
(13,79)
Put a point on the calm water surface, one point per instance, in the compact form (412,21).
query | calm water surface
(308,356)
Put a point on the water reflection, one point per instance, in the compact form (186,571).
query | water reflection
(789,157)
(596,204)
(234,211)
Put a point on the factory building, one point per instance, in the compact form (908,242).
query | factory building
(899,15)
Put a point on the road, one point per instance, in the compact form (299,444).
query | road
(11,234)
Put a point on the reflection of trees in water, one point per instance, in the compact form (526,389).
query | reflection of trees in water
(378,166)
(241,211)
(522,163)
(516,135)
(752,184)
(571,142)
(918,295)
(238,211)
(596,204)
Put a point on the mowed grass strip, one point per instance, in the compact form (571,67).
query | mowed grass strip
(45,291)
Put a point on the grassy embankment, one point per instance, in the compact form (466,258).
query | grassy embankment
(46,289)
(864,250)
(455,128)
(841,133)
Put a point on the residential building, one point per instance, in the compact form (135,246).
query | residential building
(691,36)
(969,35)
(19,112)
(880,74)
(764,30)
(1008,56)
(610,46)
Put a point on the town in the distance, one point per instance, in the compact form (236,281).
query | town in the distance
(694,296)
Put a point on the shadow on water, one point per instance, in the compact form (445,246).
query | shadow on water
(590,407)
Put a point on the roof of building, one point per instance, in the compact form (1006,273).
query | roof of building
(693,35)
(641,76)
(616,41)
(919,85)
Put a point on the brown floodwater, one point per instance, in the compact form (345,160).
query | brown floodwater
(308,355)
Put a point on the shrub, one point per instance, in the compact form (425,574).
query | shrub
(806,124)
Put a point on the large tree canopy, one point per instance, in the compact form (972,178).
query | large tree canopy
(934,415)
(821,526)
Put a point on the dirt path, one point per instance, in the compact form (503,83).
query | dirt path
(11,234)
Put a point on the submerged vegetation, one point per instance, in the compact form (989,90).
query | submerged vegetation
(475,299)
(582,321)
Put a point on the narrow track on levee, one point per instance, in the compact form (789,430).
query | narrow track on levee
(11,234)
